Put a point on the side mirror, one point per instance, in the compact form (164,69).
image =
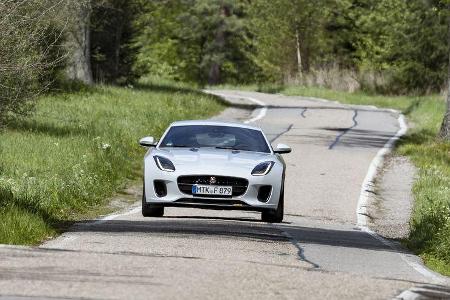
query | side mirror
(148,141)
(282,149)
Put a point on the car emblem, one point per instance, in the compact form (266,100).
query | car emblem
(212,180)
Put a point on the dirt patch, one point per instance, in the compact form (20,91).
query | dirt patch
(122,200)
(391,204)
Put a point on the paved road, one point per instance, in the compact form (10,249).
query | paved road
(317,253)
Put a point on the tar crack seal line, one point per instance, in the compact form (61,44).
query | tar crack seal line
(282,133)
(338,138)
(300,252)
(303,112)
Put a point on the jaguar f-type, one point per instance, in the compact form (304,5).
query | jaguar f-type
(214,165)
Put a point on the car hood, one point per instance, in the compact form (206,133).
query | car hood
(212,160)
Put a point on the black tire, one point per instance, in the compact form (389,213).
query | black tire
(149,210)
(275,215)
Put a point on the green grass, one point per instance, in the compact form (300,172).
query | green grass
(263,88)
(78,149)
(430,220)
(402,103)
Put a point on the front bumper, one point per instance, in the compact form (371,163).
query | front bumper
(174,197)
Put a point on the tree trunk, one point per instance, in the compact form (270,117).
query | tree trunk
(299,55)
(445,128)
(117,44)
(214,76)
(79,41)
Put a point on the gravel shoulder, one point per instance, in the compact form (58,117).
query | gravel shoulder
(391,205)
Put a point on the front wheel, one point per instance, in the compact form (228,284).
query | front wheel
(275,215)
(149,210)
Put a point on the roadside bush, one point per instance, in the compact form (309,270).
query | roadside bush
(30,52)
(430,223)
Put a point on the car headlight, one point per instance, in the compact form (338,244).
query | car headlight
(164,164)
(263,168)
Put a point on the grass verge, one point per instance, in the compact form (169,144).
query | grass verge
(78,149)
(430,220)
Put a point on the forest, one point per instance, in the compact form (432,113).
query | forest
(384,46)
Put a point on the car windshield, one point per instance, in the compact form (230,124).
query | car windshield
(221,137)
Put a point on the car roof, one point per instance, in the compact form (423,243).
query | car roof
(213,123)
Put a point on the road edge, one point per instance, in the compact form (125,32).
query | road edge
(377,162)
(367,188)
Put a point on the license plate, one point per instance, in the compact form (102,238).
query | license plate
(198,189)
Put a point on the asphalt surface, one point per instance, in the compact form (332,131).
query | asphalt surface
(316,253)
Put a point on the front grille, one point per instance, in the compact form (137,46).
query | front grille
(239,184)
(212,202)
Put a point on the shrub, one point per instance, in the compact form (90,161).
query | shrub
(30,52)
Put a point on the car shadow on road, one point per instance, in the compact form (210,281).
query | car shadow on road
(215,218)
(169,227)
(204,227)
(360,138)
(337,238)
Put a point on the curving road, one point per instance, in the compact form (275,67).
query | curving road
(317,253)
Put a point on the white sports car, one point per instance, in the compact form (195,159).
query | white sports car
(214,165)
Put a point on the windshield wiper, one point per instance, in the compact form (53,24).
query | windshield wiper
(179,146)
(227,148)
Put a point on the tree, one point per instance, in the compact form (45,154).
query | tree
(195,40)
(112,33)
(219,43)
(219,28)
(404,40)
(288,35)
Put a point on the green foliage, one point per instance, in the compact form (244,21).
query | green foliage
(79,148)
(278,25)
(390,46)
(185,40)
(408,41)
(430,223)
(402,42)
